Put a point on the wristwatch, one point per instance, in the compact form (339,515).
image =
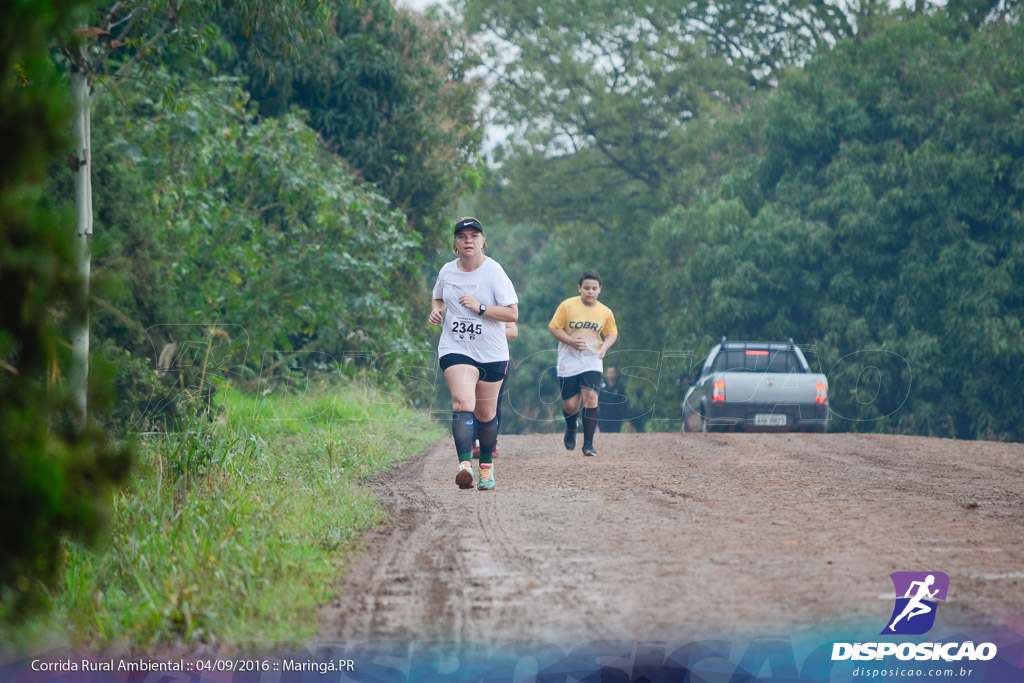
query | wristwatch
(483,309)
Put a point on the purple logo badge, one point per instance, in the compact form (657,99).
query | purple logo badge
(916,593)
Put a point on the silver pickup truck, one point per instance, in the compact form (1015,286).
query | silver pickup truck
(764,386)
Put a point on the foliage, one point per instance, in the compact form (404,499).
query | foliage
(233,532)
(214,217)
(118,39)
(54,478)
(300,205)
(868,207)
(612,92)
(389,92)
(880,223)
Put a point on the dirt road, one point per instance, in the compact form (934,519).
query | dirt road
(671,536)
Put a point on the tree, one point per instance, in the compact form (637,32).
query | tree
(866,205)
(101,53)
(53,476)
(876,222)
(255,223)
(604,96)
(389,92)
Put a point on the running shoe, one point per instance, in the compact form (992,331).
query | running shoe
(465,476)
(569,439)
(588,449)
(476,449)
(486,477)
(494,451)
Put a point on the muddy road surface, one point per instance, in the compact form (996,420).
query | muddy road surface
(676,536)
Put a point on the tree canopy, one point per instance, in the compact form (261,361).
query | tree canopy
(613,92)
(389,91)
(867,206)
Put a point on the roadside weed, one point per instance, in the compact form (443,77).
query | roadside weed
(232,531)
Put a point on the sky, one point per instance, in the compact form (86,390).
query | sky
(418,5)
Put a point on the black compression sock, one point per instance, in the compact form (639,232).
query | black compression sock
(463,431)
(589,425)
(488,437)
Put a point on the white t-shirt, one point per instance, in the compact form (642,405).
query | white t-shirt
(464,330)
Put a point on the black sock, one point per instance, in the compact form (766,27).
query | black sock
(589,425)
(501,394)
(570,420)
(463,431)
(488,437)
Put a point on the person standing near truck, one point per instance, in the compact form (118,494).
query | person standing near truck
(585,330)
(612,402)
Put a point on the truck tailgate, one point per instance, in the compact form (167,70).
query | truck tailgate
(770,387)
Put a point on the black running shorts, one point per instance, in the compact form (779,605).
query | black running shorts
(489,372)
(571,385)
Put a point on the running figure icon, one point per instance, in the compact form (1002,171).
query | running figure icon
(916,606)
(917,595)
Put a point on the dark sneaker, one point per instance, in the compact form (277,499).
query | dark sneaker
(476,449)
(465,476)
(588,449)
(569,439)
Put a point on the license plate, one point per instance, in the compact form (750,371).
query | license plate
(769,420)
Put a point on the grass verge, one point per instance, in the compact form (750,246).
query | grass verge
(232,532)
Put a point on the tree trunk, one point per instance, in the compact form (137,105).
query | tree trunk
(79,372)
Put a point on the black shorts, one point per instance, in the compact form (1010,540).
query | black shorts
(489,372)
(571,385)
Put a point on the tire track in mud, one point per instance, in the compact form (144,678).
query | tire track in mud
(668,536)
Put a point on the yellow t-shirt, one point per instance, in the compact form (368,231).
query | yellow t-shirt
(587,322)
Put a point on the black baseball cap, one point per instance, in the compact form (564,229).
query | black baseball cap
(468,222)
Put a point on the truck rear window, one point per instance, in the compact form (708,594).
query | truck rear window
(757,360)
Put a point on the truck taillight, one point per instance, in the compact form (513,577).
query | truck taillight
(718,392)
(820,393)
